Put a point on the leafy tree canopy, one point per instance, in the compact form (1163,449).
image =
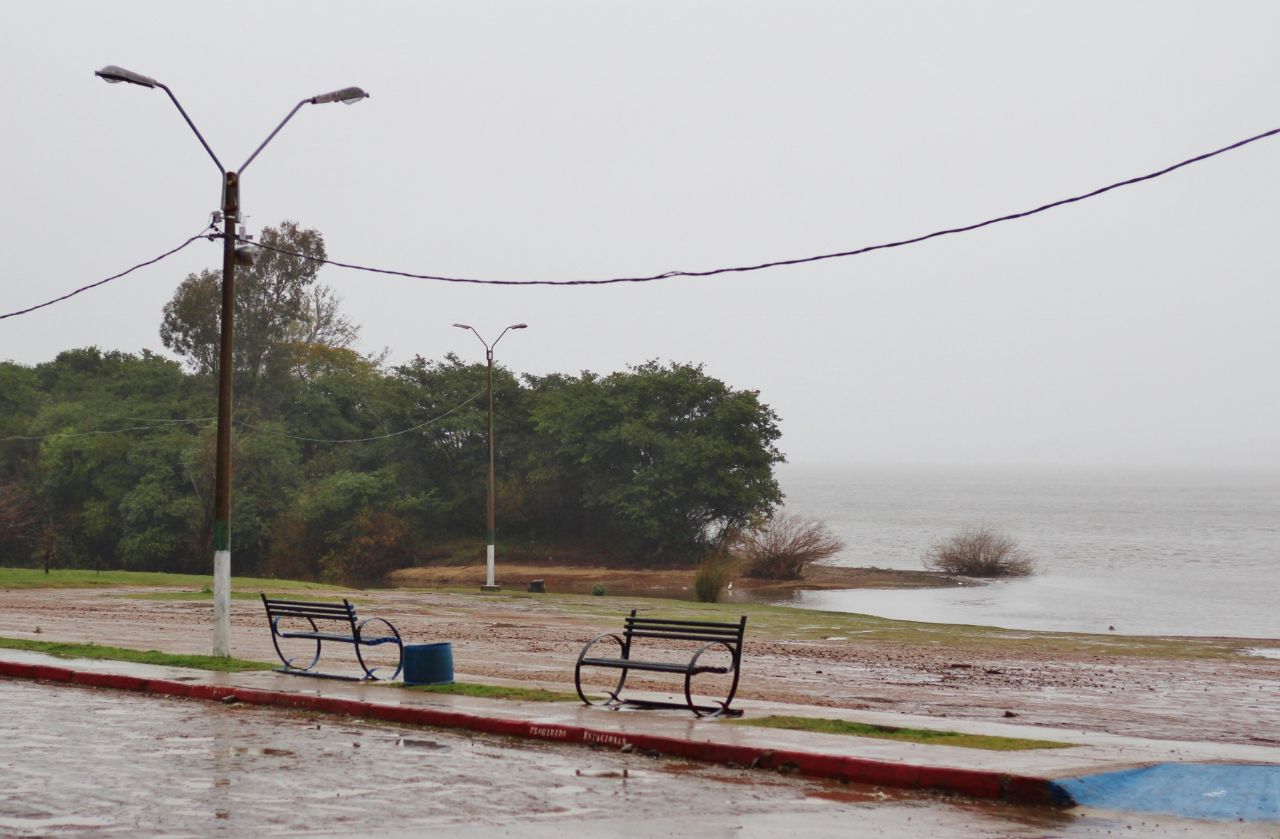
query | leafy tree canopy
(281,312)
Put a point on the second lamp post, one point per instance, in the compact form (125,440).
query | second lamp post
(490,585)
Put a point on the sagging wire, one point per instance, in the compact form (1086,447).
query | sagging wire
(201,235)
(781,262)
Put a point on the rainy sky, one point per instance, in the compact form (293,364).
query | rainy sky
(579,140)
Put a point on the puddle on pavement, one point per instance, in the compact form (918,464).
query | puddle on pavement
(51,823)
(860,795)
(409,743)
(263,751)
(229,782)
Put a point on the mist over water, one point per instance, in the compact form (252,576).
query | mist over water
(1181,552)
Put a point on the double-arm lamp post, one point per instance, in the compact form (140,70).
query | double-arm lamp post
(230,217)
(488,356)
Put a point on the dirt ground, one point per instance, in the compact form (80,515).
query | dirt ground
(535,641)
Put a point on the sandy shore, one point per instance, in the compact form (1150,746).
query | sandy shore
(1182,688)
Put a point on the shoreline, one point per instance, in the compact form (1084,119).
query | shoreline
(575,579)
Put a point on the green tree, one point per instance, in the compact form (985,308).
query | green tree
(280,311)
(114,428)
(343,527)
(665,459)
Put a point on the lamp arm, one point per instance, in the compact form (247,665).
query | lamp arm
(199,136)
(272,135)
(499,338)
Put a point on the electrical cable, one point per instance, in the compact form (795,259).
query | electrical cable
(261,430)
(156,424)
(69,294)
(781,262)
(159,423)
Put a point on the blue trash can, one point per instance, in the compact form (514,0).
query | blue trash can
(428,664)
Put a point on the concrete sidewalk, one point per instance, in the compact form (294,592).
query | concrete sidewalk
(1040,776)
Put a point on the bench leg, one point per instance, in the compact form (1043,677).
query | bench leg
(371,668)
(289,660)
(614,695)
(704,710)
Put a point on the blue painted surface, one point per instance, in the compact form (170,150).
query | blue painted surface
(1214,791)
(428,664)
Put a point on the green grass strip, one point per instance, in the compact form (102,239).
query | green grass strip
(235,595)
(96,651)
(24,578)
(497,692)
(911,735)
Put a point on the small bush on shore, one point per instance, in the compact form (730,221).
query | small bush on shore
(980,551)
(784,546)
(712,576)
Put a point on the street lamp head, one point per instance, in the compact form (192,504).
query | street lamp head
(114,75)
(347,96)
(462,326)
(518,326)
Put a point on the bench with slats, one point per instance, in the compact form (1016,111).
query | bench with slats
(296,619)
(712,635)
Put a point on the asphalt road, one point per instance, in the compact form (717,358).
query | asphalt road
(85,762)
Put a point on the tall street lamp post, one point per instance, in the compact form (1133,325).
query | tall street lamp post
(230,217)
(488,355)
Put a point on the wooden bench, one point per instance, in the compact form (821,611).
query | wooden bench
(339,619)
(712,635)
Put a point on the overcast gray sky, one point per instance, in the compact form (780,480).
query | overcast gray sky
(566,140)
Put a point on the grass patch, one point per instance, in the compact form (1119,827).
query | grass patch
(787,623)
(96,651)
(497,692)
(235,595)
(13,578)
(910,735)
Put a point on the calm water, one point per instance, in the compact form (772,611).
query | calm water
(1148,552)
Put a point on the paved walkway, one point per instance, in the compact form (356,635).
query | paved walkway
(1041,776)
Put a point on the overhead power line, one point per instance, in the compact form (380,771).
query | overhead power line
(160,423)
(154,425)
(70,294)
(781,262)
(674,274)
(260,430)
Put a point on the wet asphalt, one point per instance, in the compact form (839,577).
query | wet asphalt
(88,762)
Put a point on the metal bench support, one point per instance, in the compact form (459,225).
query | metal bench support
(712,635)
(341,620)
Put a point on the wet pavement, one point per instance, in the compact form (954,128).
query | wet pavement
(82,761)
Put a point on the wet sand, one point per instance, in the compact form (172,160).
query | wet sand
(534,641)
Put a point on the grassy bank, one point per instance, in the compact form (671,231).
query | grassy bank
(26,578)
(765,623)
(927,736)
(96,651)
(786,623)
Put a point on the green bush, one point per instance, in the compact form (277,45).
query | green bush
(711,577)
(598,590)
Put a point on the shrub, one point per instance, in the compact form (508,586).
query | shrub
(598,590)
(980,551)
(785,545)
(711,576)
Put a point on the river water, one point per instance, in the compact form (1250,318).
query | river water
(1149,552)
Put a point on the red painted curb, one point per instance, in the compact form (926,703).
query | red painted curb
(1021,789)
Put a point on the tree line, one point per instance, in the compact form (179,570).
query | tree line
(344,467)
